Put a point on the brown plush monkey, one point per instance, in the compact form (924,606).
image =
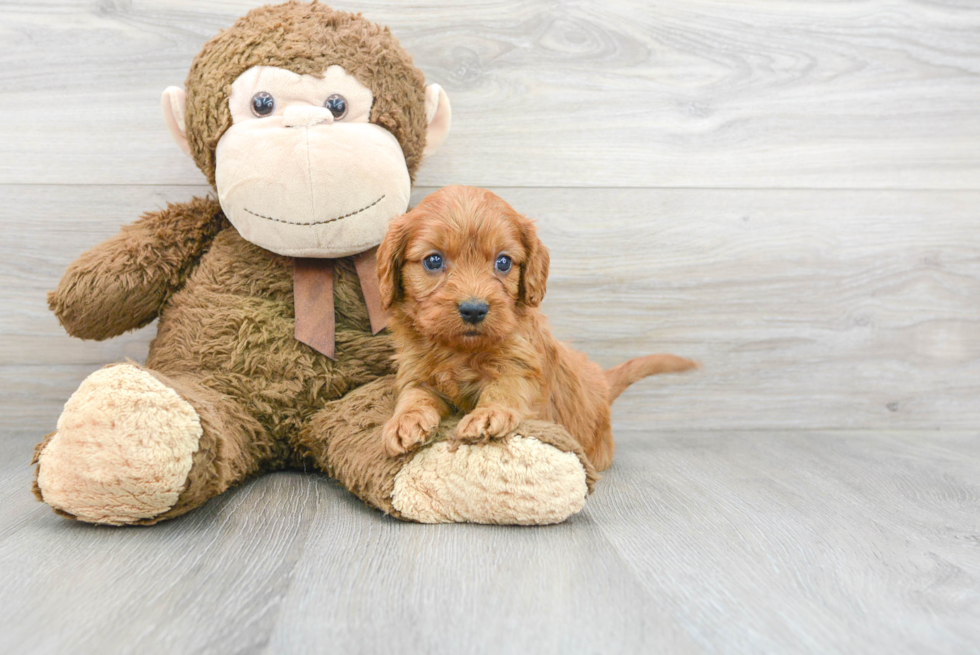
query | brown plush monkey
(310,124)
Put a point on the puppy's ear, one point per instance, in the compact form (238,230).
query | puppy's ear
(391,258)
(534,269)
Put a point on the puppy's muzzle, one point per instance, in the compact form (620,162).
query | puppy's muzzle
(473,311)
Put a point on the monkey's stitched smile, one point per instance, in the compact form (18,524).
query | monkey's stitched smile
(330,220)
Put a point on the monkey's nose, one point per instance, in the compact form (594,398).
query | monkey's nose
(473,311)
(306,116)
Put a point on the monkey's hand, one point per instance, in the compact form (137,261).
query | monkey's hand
(121,284)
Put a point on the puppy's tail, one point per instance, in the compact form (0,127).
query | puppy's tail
(625,374)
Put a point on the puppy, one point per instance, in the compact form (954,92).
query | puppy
(463,275)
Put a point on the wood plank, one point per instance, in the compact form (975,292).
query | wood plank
(217,577)
(213,578)
(702,93)
(809,309)
(694,542)
(804,542)
(467,589)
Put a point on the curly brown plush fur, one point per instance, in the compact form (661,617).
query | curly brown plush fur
(252,397)
(225,338)
(306,39)
(124,283)
(225,341)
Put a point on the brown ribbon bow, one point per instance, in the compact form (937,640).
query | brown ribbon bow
(313,299)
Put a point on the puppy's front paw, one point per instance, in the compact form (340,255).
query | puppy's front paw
(485,423)
(407,429)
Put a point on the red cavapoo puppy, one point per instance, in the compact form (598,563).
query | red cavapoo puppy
(462,275)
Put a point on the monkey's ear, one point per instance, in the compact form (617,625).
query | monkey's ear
(438,115)
(172,103)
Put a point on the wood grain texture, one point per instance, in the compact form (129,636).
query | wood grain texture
(823,542)
(763,541)
(701,93)
(809,309)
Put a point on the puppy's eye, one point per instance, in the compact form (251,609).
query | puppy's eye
(263,104)
(503,263)
(433,262)
(337,105)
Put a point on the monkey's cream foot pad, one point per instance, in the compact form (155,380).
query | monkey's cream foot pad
(123,448)
(516,481)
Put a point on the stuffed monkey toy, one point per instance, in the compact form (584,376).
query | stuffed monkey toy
(271,351)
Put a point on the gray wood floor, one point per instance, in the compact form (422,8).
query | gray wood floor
(788,191)
(696,541)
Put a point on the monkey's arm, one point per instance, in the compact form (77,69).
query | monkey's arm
(122,283)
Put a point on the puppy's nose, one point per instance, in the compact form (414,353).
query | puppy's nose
(473,311)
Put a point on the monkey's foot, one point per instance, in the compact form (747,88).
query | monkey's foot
(518,480)
(122,451)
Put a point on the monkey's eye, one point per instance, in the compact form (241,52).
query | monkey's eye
(433,263)
(263,104)
(503,263)
(337,105)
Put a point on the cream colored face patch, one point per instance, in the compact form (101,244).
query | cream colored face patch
(287,89)
(518,481)
(301,171)
(123,448)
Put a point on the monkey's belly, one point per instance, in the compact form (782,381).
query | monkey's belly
(232,325)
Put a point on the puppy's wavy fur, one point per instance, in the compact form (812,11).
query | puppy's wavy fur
(506,367)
